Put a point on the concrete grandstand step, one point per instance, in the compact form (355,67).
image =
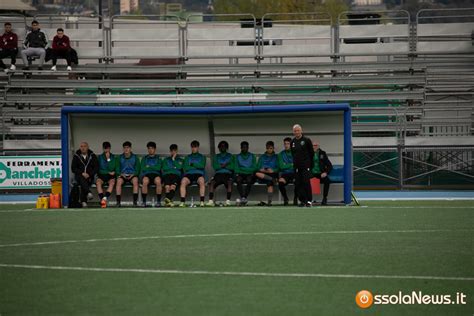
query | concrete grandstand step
(32,130)
(353,81)
(216,97)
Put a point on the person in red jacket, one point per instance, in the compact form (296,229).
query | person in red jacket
(61,48)
(8,46)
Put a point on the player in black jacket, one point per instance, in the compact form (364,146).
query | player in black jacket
(303,153)
(85,166)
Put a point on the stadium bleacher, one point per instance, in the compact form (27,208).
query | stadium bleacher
(405,79)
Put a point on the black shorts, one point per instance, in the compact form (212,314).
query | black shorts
(289,177)
(171,179)
(193,178)
(151,176)
(129,181)
(245,178)
(221,178)
(105,177)
(269,183)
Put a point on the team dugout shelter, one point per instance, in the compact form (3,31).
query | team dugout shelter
(328,123)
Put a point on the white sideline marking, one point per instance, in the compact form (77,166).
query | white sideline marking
(234,273)
(232,208)
(417,199)
(233,235)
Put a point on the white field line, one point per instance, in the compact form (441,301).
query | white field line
(58,242)
(418,199)
(232,208)
(235,273)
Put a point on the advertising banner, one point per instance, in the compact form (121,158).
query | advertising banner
(28,172)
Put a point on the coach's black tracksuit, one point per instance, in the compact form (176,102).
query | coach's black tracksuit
(88,164)
(303,152)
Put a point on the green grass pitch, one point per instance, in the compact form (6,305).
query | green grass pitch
(235,261)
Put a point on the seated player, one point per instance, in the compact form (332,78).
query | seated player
(150,172)
(193,168)
(128,169)
(321,170)
(287,172)
(223,164)
(171,168)
(107,167)
(245,165)
(267,170)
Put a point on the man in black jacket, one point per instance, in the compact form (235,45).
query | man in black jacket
(35,43)
(321,169)
(85,166)
(302,151)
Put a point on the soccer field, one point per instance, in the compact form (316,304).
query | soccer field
(235,261)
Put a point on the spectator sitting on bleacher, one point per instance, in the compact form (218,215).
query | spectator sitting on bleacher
(268,170)
(128,169)
(193,167)
(245,165)
(287,171)
(61,48)
(107,166)
(321,170)
(85,167)
(223,165)
(151,173)
(8,47)
(34,46)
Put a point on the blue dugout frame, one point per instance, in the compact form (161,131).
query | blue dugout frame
(127,110)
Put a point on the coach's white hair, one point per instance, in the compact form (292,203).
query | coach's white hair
(297,126)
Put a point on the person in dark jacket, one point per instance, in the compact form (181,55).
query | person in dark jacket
(303,153)
(61,48)
(35,43)
(8,46)
(85,166)
(321,169)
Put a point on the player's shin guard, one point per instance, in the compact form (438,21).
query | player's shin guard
(282,188)
(247,190)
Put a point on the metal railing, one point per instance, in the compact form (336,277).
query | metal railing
(444,31)
(275,35)
(145,36)
(230,36)
(405,167)
(295,35)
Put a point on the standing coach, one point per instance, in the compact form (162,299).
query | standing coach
(303,152)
